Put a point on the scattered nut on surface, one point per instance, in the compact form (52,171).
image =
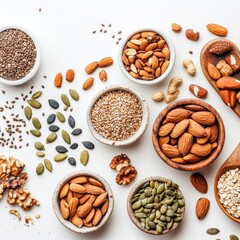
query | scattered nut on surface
(192,34)
(158,96)
(176,27)
(198,91)
(15,212)
(189,65)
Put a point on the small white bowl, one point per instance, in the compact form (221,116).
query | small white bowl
(34,70)
(161,77)
(140,131)
(68,224)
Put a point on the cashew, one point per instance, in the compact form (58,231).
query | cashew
(173,84)
(158,96)
(189,65)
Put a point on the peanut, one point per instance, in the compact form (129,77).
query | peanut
(189,65)
(173,84)
(158,96)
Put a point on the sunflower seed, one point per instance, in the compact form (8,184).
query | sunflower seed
(61,149)
(53,128)
(74,146)
(48,165)
(51,138)
(35,132)
(51,118)
(37,94)
(71,121)
(72,161)
(40,154)
(53,103)
(88,145)
(84,156)
(76,131)
(39,169)
(61,117)
(28,112)
(65,100)
(36,123)
(39,146)
(212,231)
(66,137)
(74,94)
(60,157)
(34,103)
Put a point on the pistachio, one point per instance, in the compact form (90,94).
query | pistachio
(48,165)
(36,123)
(39,169)
(34,103)
(28,112)
(65,100)
(84,156)
(74,94)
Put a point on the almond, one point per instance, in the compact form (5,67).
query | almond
(77,188)
(151,47)
(125,59)
(234,62)
(213,71)
(196,129)
(228,97)
(73,204)
(213,133)
(165,129)
(163,140)
(70,74)
(84,210)
(161,44)
(178,160)
(192,35)
(229,83)
(100,199)
(199,182)
(179,128)
(69,196)
(202,207)
(77,221)
(91,67)
(79,180)
(220,47)
(155,62)
(198,91)
(90,216)
(204,139)
(170,151)
(191,158)
(58,80)
(176,27)
(97,217)
(164,66)
(94,189)
(95,182)
(83,199)
(194,107)
(64,208)
(105,62)
(104,207)
(103,75)
(204,117)
(217,29)
(177,115)
(64,191)
(185,143)
(88,83)
(201,150)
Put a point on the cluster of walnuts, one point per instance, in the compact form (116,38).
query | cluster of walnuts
(126,172)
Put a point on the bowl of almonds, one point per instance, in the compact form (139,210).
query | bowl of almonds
(188,134)
(147,56)
(83,201)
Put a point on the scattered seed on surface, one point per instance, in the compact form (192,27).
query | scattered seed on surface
(53,128)
(28,112)
(72,161)
(39,169)
(34,103)
(35,132)
(66,137)
(65,100)
(84,156)
(212,231)
(60,157)
(71,121)
(48,165)
(88,145)
(53,103)
(39,146)
(61,149)
(36,123)
(61,117)
(37,94)
(74,146)
(76,132)
(74,95)
(40,154)
(51,137)
(51,118)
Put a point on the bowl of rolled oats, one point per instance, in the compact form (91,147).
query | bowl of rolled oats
(19,55)
(146,56)
(118,115)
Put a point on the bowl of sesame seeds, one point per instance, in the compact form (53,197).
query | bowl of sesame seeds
(118,115)
(19,55)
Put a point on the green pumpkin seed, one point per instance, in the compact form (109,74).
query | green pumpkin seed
(154,191)
(233,237)
(178,219)
(175,206)
(140,215)
(39,169)
(159,229)
(169,184)
(161,188)
(181,203)
(167,201)
(163,218)
(152,225)
(61,117)
(66,137)
(152,216)
(36,123)
(156,199)
(162,196)
(34,103)
(145,210)
(144,201)
(35,132)
(143,220)
(148,192)
(212,231)
(147,227)
(163,209)
(39,146)
(169,192)
(139,210)
(174,185)
(152,184)
(28,112)
(51,137)
(150,200)
(169,225)
(60,157)
(156,184)
(84,156)
(145,185)
(37,94)
(40,154)
(137,205)
(142,196)
(65,100)
(74,95)
(170,213)
(48,165)
(168,219)
(158,214)
(161,224)
(149,205)
(142,224)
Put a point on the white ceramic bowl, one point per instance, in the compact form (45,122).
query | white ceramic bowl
(68,224)
(140,131)
(33,71)
(161,77)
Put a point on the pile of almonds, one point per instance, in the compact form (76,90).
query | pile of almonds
(188,134)
(146,55)
(83,201)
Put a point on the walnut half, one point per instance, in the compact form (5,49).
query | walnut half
(126,175)
(119,162)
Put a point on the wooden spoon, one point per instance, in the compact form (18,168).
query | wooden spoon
(231,163)
(207,57)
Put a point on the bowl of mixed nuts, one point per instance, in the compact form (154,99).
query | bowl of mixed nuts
(147,56)
(188,134)
(118,115)
(20,56)
(83,201)
(156,205)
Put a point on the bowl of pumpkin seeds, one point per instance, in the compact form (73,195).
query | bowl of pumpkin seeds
(156,205)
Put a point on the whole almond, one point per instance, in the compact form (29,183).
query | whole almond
(83,199)
(185,143)
(177,115)
(88,83)
(73,205)
(199,182)
(79,180)
(179,128)
(213,71)
(103,75)
(213,133)
(97,217)
(70,74)
(229,83)
(204,117)
(217,29)
(201,150)
(165,129)
(74,187)
(220,47)
(105,62)
(91,67)
(192,34)
(228,97)
(163,140)
(64,208)
(196,129)
(95,182)
(104,207)
(77,221)
(176,27)
(90,216)
(84,210)
(91,189)
(204,139)
(64,191)
(58,80)
(191,158)
(100,199)
(202,207)
(170,151)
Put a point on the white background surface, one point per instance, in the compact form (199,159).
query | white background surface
(64,31)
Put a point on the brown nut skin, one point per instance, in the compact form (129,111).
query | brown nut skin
(192,34)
